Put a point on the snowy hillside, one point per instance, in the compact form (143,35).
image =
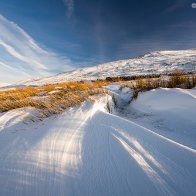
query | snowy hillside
(3,84)
(89,151)
(154,62)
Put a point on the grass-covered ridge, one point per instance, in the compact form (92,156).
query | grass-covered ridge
(55,98)
(52,98)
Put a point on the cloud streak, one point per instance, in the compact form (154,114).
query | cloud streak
(21,57)
(70,7)
(178,4)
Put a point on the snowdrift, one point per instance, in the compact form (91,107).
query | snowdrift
(169,112)
(87,151)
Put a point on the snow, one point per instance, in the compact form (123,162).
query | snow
(121,95)
(169,112)
(53,92)
(88,151)
(151,63)
(4,84)
(14,119)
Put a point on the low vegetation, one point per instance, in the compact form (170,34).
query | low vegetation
(177,79)
(55,98)
(50,98)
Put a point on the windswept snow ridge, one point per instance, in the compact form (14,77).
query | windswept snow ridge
(169,112)
(151,63)
(87,151)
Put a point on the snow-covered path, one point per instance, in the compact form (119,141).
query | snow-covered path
(44,158)
(87,151)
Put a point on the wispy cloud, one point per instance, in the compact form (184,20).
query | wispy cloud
(70,7)
(178,4)
(21,57)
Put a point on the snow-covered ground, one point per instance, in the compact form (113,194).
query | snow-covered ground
(89,151)
(169,112)
(4,84)
(151,63)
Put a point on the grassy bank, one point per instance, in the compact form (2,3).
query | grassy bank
(55,98)
(51,98)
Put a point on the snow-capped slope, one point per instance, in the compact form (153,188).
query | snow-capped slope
(154,62)
(4,84)
(87,151)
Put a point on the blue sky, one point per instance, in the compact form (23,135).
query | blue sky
(43,37)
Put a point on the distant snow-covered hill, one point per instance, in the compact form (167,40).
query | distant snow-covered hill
(3,84)
(150,63)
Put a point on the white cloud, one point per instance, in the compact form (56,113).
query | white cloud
(21,57)
(70,7)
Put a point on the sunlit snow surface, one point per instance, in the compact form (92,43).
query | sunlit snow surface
(88,151)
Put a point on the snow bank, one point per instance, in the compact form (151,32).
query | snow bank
(170,112)
(87,151)
(121,95)
(14,119)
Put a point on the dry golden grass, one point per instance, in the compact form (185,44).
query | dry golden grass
(52,98)
(176,80)
(55,98)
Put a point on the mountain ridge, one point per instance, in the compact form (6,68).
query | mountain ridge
(156,62)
